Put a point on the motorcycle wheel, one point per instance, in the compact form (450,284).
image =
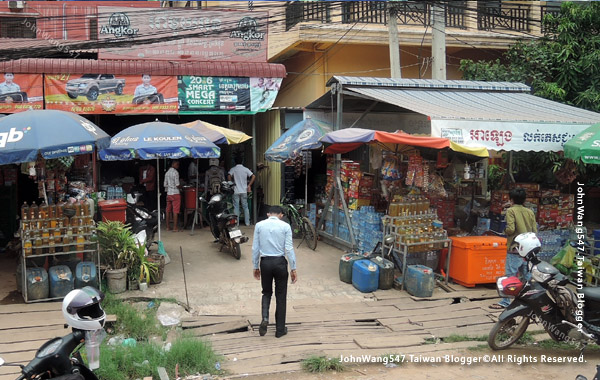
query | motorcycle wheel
(505,333)
(236,251)
(310,234)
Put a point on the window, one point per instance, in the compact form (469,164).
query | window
(18,27)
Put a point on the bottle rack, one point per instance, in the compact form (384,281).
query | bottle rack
(89,247)
(391,227)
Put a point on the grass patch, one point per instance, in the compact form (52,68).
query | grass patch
(479,347)
(132,323)
(526,338)
(322,364)
(464,338)
(124,363)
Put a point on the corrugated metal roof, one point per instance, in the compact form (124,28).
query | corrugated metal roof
(429,83)
(82,66)
(478,105)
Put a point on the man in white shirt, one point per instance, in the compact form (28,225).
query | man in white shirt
(272,242)
(172,186)
(240,174)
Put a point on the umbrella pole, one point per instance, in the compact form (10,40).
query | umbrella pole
(196,210)
(158,194)
(305,181)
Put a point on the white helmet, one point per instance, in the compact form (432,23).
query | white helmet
(213,162)
(528,243)
(81,309)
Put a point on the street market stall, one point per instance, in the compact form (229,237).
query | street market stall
(57,237)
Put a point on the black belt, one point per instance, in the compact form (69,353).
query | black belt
(271,257)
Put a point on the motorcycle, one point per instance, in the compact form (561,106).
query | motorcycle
(60,358)
(140,219)
(223,224)
(597,377)
(544,299)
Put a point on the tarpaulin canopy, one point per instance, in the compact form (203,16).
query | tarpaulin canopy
(233,136)
(304,135)
(585,146)
(346,140)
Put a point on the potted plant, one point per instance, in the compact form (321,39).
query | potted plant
(146,269)
(116,243)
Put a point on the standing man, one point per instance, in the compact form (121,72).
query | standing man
(240,175)
(173,197)
(213,177)
(272,241)
(148,180)
(519,219)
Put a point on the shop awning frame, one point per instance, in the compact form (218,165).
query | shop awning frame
(496,115)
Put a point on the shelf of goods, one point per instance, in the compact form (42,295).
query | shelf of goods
(68,241)
(419,236)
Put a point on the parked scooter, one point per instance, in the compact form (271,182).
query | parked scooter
(140,219)
(59,358)
(544,299)
(597,377)
(223,224)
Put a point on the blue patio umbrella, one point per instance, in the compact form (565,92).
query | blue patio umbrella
(50,133)
(156,140)
(304,135)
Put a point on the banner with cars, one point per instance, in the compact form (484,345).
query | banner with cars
(226,95)
(109,93)
(21,92)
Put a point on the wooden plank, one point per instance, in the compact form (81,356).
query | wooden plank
(32,333)
(420,318)
(262,370)
(220,328)
(389,341)
(470,331)
(30,307)
(31,345)
(206,320)
(332,307)
(43,318)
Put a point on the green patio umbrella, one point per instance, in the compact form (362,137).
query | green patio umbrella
(585,146)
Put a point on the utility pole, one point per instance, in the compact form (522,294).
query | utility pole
(393,40)
(438,40)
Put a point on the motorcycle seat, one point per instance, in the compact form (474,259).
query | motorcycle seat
(592,294)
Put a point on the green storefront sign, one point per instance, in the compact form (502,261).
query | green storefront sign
(213,95)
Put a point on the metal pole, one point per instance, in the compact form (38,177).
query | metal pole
(158,194)
(254,167)
(196,209)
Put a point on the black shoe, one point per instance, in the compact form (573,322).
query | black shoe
(280,334)
(262,330)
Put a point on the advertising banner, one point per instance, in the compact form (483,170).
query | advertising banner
(515,136)
(21,92)
(108,93)
(213,94)
(263,92)
(226,94)
(182,34)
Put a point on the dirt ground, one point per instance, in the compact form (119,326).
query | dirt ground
(531,367)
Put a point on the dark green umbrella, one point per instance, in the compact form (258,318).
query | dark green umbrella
(585,146)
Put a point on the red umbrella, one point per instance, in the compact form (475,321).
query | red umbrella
(348,139)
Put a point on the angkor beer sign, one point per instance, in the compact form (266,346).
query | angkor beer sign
(183,34)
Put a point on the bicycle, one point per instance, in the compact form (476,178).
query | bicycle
(301,226)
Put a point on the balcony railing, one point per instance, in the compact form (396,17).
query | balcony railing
(549,9)
(409,13)
(503,16)
(300,11)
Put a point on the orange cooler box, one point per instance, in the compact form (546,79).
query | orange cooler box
(477,259)
(113,210)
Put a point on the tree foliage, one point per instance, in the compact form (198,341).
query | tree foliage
(564,65)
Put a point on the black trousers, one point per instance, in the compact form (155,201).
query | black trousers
(274,268)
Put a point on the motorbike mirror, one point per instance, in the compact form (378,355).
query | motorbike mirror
(1,362)
(202,199)
(388,239)
(580,377)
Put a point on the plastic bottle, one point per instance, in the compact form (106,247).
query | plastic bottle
(57,239)
(28,245)
(45,239)
(25,211)
(43,211)
(80,241)
(51,248)
(33,211)
(38,245)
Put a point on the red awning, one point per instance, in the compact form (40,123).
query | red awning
(391,141)
(83,66)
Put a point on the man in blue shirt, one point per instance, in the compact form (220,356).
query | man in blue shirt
(272,241)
